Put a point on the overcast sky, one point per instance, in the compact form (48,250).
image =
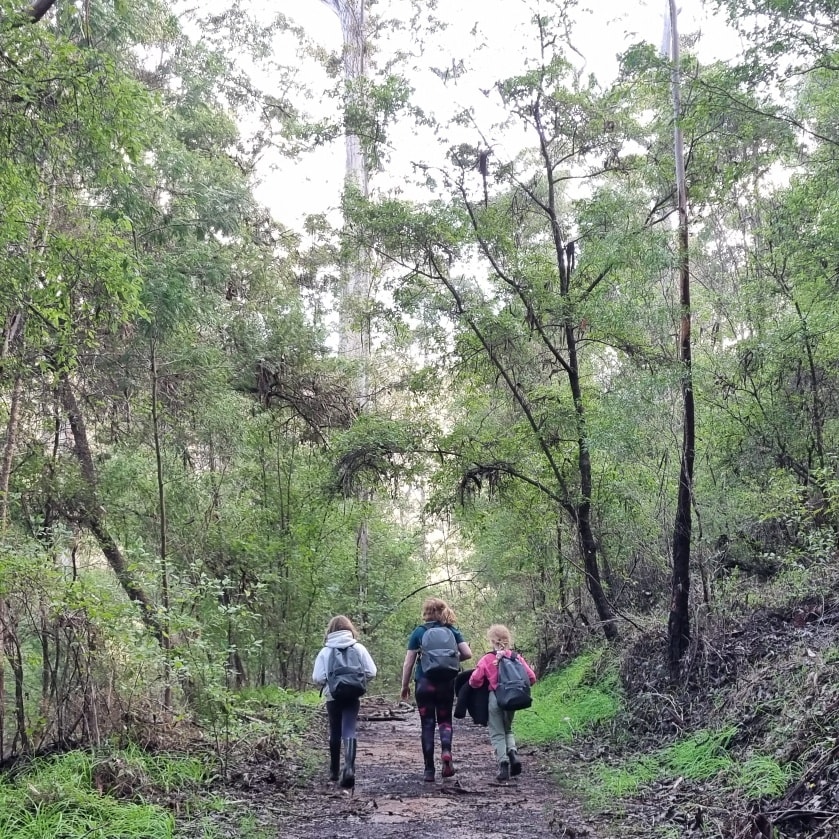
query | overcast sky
(503,36)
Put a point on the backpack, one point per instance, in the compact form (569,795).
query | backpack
(439,655)
(345,676)
(513,691)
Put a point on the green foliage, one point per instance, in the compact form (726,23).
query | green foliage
(700,757)
(166,772)
(575,699)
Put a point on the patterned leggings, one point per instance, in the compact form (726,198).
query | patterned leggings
(434,703)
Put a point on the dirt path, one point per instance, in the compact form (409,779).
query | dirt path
(391,799)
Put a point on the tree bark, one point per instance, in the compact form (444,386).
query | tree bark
(678,625)
(164,559)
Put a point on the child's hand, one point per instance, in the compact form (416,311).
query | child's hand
(406,694)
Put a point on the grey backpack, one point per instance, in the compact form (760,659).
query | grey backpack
(439,655)
(345,676)
(513,691)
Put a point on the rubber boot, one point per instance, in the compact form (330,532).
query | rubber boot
(348,772)
(503,771)
(515,763)
(334,760)
(448,766)
(428,774)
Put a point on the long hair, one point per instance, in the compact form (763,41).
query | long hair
(499,634)
(435,609)
(338,623)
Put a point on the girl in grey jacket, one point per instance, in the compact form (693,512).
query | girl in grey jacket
(342,713)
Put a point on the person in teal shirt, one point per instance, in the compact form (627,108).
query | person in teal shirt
(435,699)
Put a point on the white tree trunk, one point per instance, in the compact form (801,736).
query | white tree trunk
(356,270)
(356,273)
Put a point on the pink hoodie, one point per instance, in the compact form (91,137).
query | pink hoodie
(486,671)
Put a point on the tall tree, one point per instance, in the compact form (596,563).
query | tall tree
(356,289)
(678,625)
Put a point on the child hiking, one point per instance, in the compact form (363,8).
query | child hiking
(435,650)
(342,668)
(500,717)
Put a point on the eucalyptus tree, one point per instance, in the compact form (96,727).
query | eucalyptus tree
(371,94)
(678,625)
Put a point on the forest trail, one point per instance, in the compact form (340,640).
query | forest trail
(391,800)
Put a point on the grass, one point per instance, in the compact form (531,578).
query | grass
(621,781)
(568,702)
(167,772)
(701,756)
(96,796)
(763,777)
(56,798)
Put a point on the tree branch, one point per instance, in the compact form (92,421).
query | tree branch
(32,14)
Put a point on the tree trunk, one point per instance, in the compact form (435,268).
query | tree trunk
(356,276)
(588,546)
(678,625)
(92,514)
(164,568)
(13,344)
(354,333)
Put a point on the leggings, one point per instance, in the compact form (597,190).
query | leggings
(343,717)
(434,703)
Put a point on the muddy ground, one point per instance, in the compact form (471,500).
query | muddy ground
(390,798)
(772,673)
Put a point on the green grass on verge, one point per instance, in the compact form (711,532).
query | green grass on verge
(763,777)
(166,772)
(612,782)
(68,796)
(700,757)
(55,799)
(568,702)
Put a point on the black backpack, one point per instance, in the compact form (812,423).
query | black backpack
(513,691)
(345,676)
(439,655)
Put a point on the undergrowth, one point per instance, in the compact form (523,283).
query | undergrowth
(124,793)
(570,701)
(63,797)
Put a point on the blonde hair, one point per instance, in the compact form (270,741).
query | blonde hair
(435,609)
(338,623)
(500,635)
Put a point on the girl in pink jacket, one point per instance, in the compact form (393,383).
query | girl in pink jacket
(500,721)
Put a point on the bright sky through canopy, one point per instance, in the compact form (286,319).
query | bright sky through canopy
(493,38)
